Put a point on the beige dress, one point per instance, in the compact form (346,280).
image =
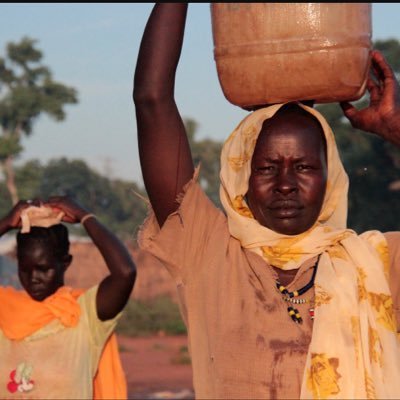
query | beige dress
(57,362)
(242,341)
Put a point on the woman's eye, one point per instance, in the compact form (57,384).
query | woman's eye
(267,169)
(303,167)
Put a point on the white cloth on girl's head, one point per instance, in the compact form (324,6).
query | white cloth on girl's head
(39,216)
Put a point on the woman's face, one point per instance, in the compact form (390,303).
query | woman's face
(40,273)
(288,174)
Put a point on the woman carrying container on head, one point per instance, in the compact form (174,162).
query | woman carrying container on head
(280,299)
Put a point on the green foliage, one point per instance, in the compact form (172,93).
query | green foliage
(130,210)
(28,179)
(152,317)
(373,165)
(24,51)
(5,200)
(9,146)
(206,152)
(182,358)
(27,90)
(391,50)
(113,201)
(53,96)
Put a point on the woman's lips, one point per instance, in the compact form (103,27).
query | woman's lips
(285,208)
(286,212)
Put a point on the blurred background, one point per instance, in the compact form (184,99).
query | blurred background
(68,122)
(68,127)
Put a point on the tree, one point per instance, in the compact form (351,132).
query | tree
(112,200)
(116,202)
(27,90)
(391,50)
(373,165)
(207,153)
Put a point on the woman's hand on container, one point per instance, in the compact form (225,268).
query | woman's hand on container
(382,115)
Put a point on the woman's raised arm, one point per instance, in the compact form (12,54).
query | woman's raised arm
(164,150)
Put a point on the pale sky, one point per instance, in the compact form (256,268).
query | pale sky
(93,47)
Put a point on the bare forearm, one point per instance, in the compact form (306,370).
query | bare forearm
(163,145)
(115,254)
(115,289)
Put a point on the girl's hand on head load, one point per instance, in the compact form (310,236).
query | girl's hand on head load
(73,211)
(13,218)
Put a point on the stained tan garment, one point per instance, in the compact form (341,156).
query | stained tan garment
(355,350)
(242,341)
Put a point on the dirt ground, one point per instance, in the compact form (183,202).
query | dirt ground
(156,367)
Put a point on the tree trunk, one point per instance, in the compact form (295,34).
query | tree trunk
(8,169)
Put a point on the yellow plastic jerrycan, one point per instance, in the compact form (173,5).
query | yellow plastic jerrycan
(269,53)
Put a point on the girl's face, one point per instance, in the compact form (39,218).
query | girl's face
(39,271)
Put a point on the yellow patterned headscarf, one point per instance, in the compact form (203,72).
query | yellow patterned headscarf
(355,349)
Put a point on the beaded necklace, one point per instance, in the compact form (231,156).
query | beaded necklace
(291,297)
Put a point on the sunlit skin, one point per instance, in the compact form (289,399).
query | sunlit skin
(40,272)
(288,174)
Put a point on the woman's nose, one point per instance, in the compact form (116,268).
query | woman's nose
(286,181)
